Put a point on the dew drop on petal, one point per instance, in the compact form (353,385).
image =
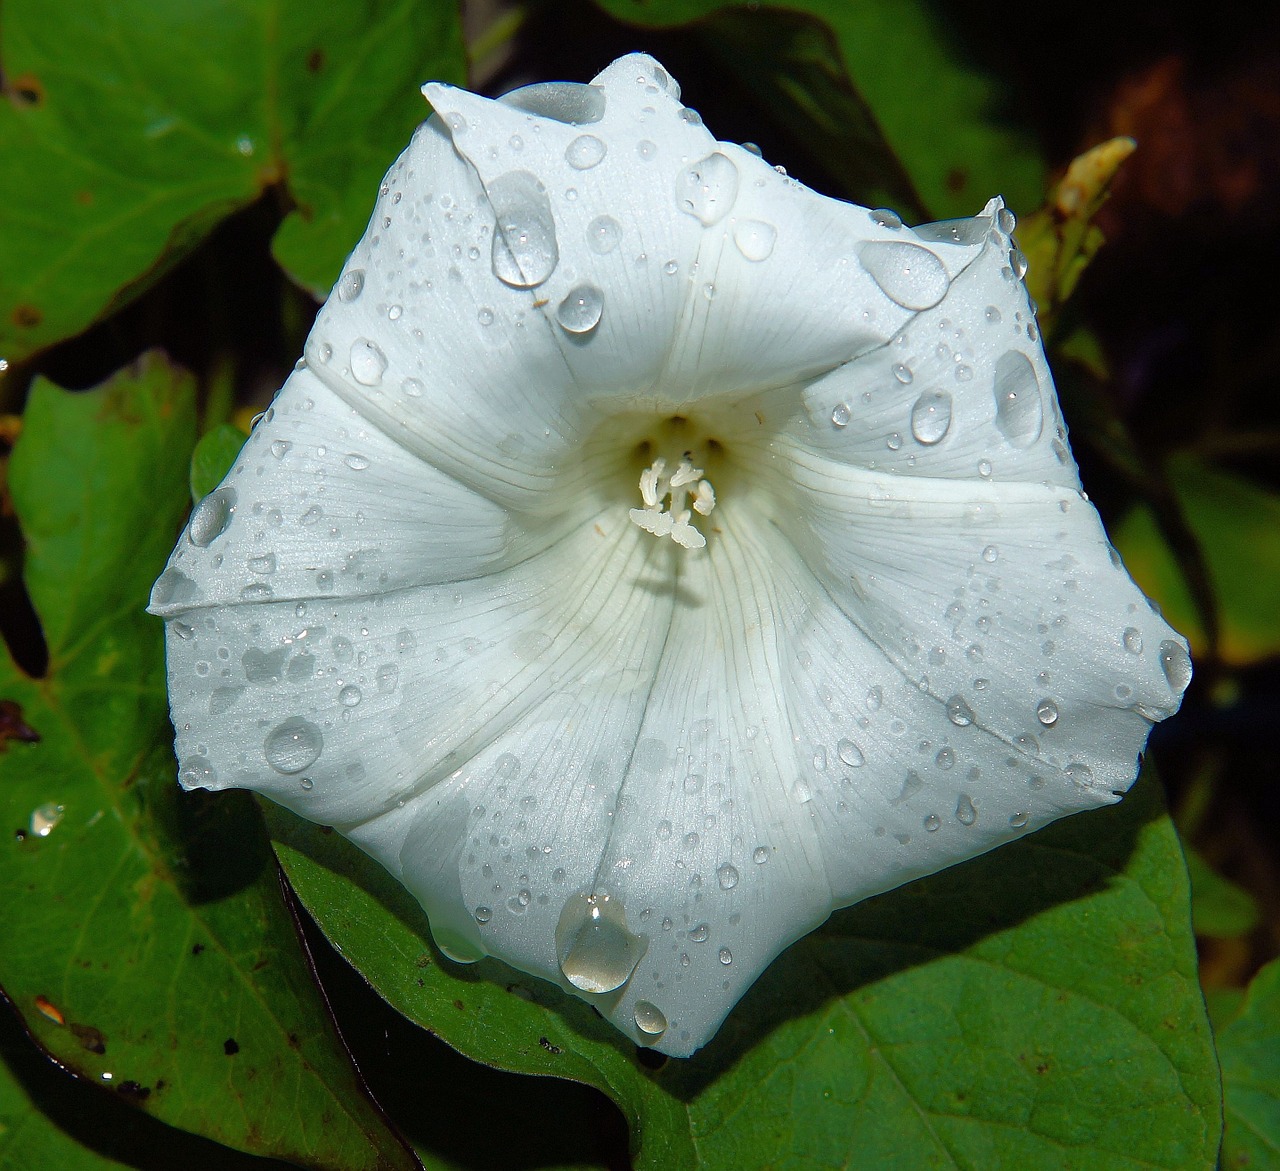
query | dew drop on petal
(351,284)
(850,754)
(972,230)
(604,233)
(959,712)
(581,309)
(966,814)
(211,517)
(1133,640)
(1047,712)
(699,934)
(1175,664)
(293,745)
(349,696)
(597,952)
(760,855)
(570,102)
(726,956)
(840,415)
(356,462)
(483,914)
(727,876)
(931,417)
(755,239)
(884,217)
(368,363)
(650,1019)
(525,250)
(907,274)
(707,189)
(1019,408)
(932,823)
(584,152)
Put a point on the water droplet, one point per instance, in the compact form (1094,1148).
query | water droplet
(990,554)
(263,563)
(395,312)
(604,233)
(727,877)
(45,818)
(708,189)
(840,415)
(1133,640)
(1019,409)
(211,517)
(907,274)
(931,417)
(649,1019)
(483,914)
(692,117)
(1019,820)
(700,933)
(584,152)
(293,745)
(959,712)
(883,217)
(726,956)
(875,697)
(368,363)
(646,149)
(850,754)
(945,759)
(412,387)
(932,823)
(966,814)
(570,102)
(760,855)
(755,239)
(1081,774)
(902,373)
(1047,712)
(1006,220)
(597,952)
(1018,262)
(1175,664)
(351,284)
(581,309)
(525,251)
(257,591)
(280,448)
(972,230)
(984,468)
(349,696)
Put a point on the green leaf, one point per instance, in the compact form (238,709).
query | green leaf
(1249,1048)
(213,457)
(1037,1007)
(943,117)
(1237,525)
(134,126)
(145,940)
(1219,908)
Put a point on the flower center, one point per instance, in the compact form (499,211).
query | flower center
(671,496)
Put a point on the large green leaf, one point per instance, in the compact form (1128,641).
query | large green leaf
(1250,1051)
(1237,525)
(1037,1007)
(145,940)
(133,126)
(945,119)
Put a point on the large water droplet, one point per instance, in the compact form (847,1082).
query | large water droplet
(972,230)
(368,363)
(581,309)
(1019,409)
(907,274)
(727,876)
(293,745)
(1175,664)
(931,417)
(850,754)
(351,284)
(650,1019)
(1133,640)
(525,251)
(604,233)
(597,952)
(708,188)
(570,102)
(584,152)
(755,239)
(1047,712)
(210,518)
(45,818)
(959,712)
(349,696)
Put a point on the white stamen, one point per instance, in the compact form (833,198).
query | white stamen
(656,487)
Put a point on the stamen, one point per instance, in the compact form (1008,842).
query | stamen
(657,488)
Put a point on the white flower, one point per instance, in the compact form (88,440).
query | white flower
(652,555)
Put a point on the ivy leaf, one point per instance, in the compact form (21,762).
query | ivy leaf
(134,126)
(146,943)
(1250,1052)
(936,110)
(1036,1007)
